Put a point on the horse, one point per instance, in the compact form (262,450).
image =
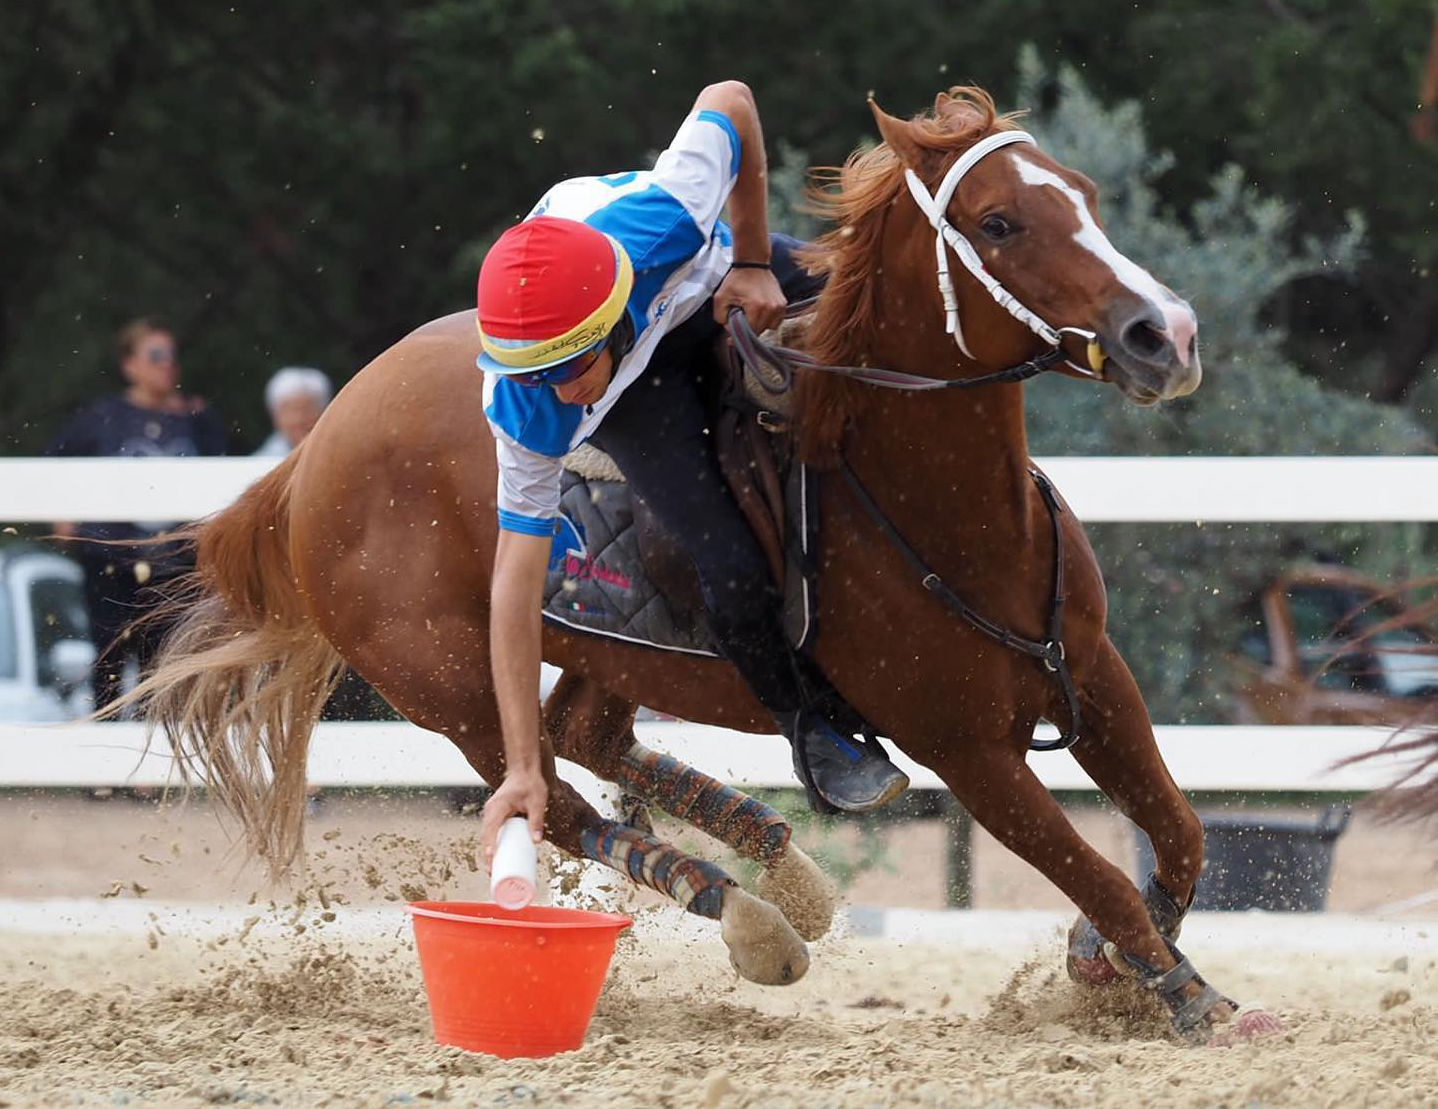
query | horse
(371,547)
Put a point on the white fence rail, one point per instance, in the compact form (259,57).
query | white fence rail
(1098,489)
(1237,758)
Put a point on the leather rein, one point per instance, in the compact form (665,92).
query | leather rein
(754,351)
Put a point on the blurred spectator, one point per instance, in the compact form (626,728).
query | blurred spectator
(295,396)
(150,418)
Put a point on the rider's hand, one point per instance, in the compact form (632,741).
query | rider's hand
(757,292)
(523,793)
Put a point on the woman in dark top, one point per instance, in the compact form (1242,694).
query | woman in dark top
(150,418)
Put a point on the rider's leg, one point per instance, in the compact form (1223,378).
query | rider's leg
(657,434)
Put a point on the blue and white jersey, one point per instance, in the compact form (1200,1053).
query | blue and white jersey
(667,219)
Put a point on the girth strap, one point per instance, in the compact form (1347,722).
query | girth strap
(1050,651)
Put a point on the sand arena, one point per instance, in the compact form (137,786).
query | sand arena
(143,965)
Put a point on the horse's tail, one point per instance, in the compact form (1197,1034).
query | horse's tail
(1413,795)
(243,673)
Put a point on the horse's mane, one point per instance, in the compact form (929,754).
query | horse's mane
(856,197)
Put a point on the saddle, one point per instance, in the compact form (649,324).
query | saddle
(776,494)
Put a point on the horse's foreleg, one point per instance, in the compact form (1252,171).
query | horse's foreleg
(1119,753)
(1007,798)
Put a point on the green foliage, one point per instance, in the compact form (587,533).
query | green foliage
(310,182)
(306,183)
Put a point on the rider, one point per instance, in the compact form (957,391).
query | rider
(593,314)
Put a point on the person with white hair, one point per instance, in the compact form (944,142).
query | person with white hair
(295,397)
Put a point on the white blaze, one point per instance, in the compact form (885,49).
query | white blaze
(1178,318)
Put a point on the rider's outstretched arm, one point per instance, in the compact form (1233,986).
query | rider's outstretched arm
(515,629)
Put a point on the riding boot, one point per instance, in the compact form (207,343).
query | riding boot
(840,773)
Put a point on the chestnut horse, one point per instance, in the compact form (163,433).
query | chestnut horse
(372,546)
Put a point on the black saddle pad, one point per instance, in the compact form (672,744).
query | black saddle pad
(597,582)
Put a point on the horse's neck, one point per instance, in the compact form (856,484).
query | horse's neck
(936,452)
(950,469)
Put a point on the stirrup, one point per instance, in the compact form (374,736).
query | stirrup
(1187,1015)
(817,803)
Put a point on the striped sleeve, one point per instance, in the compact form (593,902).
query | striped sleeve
(700,165)
(528,495)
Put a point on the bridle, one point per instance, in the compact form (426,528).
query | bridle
(783,360)
(755,351)
(936,207)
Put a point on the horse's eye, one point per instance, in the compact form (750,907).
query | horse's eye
(996,227)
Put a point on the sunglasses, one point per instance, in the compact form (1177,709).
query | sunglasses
(159,356)
(563,373)
(618,342)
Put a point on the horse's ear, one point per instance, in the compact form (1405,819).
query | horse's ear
(896,133)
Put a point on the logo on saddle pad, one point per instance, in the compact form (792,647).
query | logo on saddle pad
(569,553)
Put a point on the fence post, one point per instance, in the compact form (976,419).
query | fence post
(959,858)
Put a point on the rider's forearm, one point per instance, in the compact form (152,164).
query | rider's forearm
(516,595)
(749,201)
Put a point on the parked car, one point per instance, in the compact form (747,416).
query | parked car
(45,648)
(1298,659)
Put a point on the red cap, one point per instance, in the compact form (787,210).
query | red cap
(549,289)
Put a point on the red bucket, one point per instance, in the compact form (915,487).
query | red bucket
(512,984)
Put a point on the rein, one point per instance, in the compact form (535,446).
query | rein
(756,351)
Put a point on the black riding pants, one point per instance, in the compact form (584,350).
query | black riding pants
(658,432)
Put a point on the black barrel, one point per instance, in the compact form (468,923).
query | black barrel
(1253,861)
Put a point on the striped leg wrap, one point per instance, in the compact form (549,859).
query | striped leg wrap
(698,886)
(750,827)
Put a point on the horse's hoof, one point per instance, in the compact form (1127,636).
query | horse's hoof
(763,947)
(795,885)
(635,813)
(1247,1023)
(1090,972)
(1087,964)
(1255,1022)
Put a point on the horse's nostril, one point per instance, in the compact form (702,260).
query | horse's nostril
(1143,339)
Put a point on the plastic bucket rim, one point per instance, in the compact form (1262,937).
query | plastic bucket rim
(596,919)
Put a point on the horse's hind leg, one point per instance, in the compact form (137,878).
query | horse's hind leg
(1119,753)
(791,880)
(762,946)
(593,727)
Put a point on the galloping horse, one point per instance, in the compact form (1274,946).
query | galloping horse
(373,543)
